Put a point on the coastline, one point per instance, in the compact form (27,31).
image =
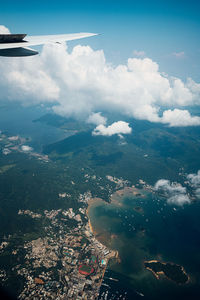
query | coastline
(91,202)
(157,274)
(115,199)
(114,254)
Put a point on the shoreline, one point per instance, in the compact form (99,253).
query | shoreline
(156,274)
(114,253)
(90,202)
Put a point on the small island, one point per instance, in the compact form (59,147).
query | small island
(172,271)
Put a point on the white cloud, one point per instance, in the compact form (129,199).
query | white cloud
(4,29)
(179,199)
(194,180)
(26,148)
(194,88)
(176,194)
(97,119)
(82,84)
(179,117)
(139,53)
(119,128)
(179,54)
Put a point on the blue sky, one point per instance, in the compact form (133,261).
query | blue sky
(159,28)
(82,83)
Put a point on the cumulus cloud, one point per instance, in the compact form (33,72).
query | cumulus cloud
(178,117)
(179,199)
(4,29)
(176,194)
(138,53)
(119,128)
(82,83)
(194,180)
(97,119)
(26,148)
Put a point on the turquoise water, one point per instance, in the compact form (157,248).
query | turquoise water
(157,231)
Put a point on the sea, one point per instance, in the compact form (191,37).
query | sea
(16,119)
(146,228)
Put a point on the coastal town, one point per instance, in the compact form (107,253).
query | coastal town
(65,262)
(68,263)
(65,265)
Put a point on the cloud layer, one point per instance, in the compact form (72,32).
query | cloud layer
(83,84)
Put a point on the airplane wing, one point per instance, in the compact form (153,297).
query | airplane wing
(18,44)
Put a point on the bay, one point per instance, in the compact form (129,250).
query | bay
(144,228)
